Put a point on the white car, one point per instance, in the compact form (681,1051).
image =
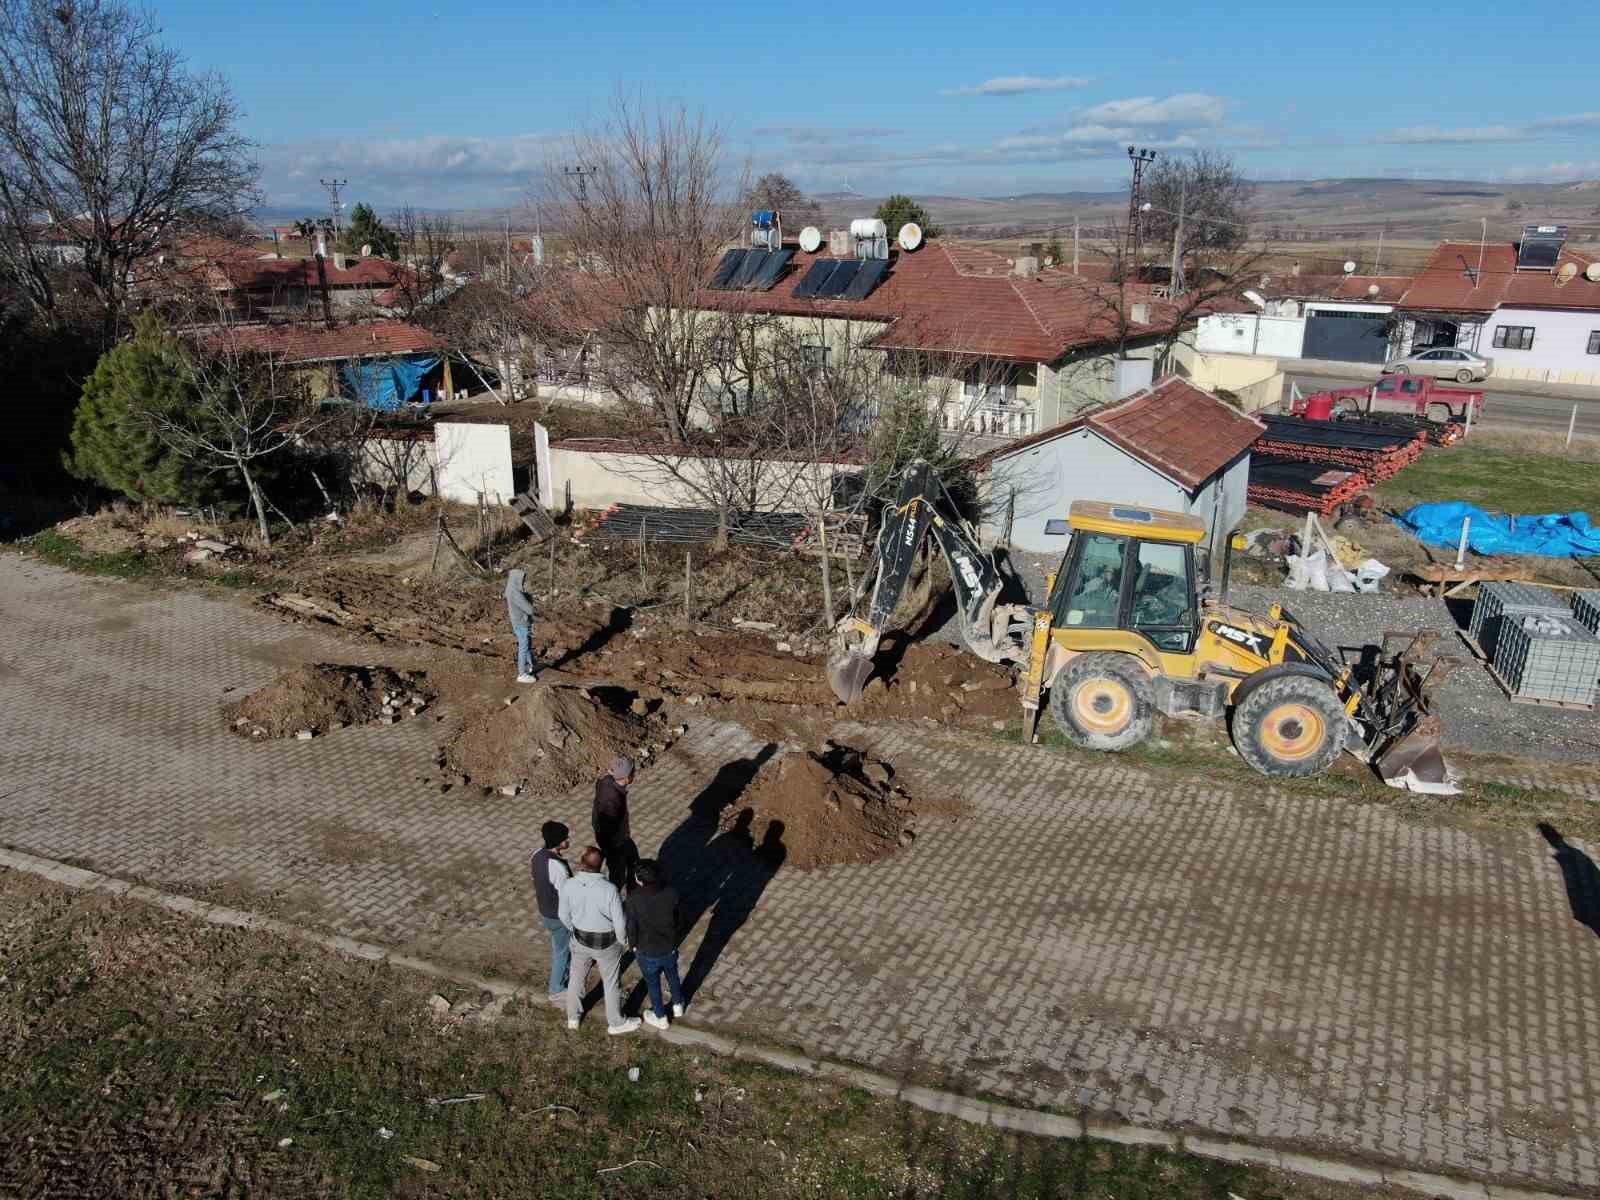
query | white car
(1443,363)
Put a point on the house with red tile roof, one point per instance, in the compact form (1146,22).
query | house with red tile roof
(250,284)
(1171,445)
(1535,315)
(1014,348)
(383,362)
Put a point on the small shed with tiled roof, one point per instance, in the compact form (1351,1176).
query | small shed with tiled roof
(1171,445)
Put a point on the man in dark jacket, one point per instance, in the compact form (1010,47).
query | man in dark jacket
(550,871)
(652,915)
(612,832)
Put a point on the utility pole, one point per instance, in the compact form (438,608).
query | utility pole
(1175,273)
(1140,158)
(581,174)
(1074,245)
(1377,266)
(334,186)
(507,253)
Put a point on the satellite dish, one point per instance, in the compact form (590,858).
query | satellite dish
(1373,290)
(1593,273)
(910,236)
(810,239)
(1567,273)
(366,250)
(1349,268)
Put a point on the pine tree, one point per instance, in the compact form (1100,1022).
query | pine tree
(897,210)
(113,445)
(365,229)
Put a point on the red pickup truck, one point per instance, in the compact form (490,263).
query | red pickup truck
(1411,395)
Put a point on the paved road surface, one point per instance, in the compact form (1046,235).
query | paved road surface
(1094,937)
(1502,409)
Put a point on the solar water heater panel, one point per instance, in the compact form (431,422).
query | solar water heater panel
(777,260)
(750,268)
(868,277)
(843,276)
(815,278)
(727,268)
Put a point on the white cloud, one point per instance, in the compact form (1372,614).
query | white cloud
(1016,85)
(1184,109)
(414,169)
(1588,120)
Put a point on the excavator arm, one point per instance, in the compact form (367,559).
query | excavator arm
(986,629)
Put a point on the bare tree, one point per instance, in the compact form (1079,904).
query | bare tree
(107,137)
(1211,191)
(425,240)
(246,407)
(644,222)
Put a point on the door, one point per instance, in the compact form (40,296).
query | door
(1347,337)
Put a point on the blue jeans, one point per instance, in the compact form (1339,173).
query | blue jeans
(560,954)
(525,664)
(653,967)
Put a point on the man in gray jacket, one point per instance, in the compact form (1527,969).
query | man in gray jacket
(520,606)
(591,907)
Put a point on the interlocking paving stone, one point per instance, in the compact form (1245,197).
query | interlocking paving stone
(1168,950)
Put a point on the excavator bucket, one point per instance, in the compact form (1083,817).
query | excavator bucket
(848,672)
(1404,733)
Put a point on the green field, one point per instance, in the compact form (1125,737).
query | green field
(1497,477)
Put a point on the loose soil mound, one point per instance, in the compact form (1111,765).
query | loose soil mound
(550,739)
(326,696)
(837,807)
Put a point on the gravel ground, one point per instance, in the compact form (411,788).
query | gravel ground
(1478,717)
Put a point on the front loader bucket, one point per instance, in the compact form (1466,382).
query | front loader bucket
(1415,762)
(848,672)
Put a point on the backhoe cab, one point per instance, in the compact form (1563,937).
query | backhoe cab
(1127,631)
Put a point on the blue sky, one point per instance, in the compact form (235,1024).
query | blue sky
(443,103)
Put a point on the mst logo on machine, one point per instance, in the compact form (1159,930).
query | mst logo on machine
(1252,642)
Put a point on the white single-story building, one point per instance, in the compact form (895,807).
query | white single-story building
(1171,445)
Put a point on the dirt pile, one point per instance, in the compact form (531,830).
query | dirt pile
(323,697)
(551,738)
(834,807)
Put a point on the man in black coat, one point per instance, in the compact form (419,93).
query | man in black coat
(612,832)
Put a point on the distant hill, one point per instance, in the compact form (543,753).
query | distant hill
(1318,210)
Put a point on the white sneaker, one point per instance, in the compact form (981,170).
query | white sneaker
(527,679)
(628,1026)
(571,1024)
(677,1010)
(656,1022)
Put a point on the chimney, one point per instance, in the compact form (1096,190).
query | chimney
(1294,270)
(322,245)
(1026,265)
(340,262)
(1036,249)
(840,244)
(1139,312)
(1130,375)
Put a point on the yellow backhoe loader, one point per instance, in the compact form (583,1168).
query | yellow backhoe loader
(1128,630)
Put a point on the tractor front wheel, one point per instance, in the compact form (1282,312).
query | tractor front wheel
(1103,701)
(1289,727)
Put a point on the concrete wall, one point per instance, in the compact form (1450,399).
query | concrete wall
(1251,333)
(470,460)
(1083,381)
(1560,344)
(598,479)
(458,462)
(1257,382)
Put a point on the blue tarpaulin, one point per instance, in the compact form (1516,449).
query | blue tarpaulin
(1552,535)
(386,384)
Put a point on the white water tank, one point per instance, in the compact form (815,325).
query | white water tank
(868,227)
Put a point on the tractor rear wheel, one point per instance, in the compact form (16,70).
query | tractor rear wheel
(1103,701)
(1290,726)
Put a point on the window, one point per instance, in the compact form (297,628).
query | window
(1514,337)
(813,357)
(1097,590)
(1594,341)
(1160,598)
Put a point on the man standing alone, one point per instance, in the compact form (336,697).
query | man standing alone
(591,908)
(612,831)
(520,605)
(550,874)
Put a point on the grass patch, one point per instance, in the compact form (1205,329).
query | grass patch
(62,551)
(1498,476)
(139,1050)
